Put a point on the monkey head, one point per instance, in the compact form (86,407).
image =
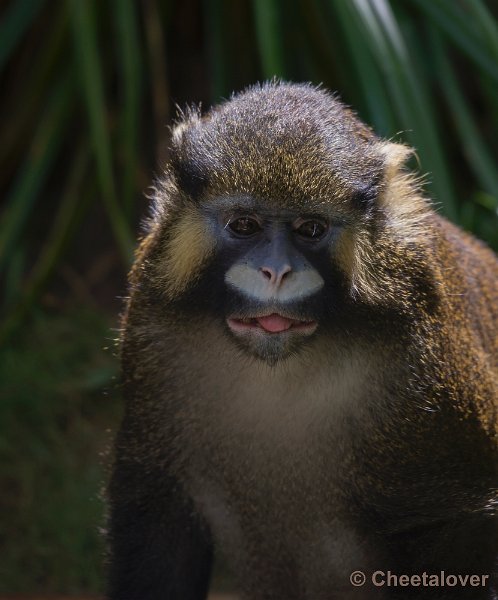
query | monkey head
(270,213)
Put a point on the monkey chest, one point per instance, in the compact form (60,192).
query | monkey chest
(277,509)
(269,472)
(282,532)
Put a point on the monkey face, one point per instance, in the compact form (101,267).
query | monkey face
(273,272)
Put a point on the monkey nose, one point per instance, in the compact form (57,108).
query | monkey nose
(276,276)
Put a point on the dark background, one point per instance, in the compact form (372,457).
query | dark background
(88,90)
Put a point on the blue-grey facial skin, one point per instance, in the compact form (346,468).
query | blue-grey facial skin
(271,267)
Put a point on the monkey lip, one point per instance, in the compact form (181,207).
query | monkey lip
(273,323)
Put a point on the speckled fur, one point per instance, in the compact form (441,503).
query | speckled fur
(375,447)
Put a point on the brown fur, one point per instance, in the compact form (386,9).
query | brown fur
(401,461)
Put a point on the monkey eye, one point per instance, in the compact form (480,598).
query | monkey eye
(312,229)
(244,226)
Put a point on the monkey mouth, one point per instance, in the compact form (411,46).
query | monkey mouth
(272,324)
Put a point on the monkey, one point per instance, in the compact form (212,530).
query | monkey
(309,362)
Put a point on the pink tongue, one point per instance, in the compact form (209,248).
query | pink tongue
(274,323)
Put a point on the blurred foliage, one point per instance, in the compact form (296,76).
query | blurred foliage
(89,88)
(54,423)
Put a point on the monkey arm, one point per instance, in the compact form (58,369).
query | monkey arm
(159,549)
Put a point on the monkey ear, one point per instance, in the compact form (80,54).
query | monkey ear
(395,156)
(185,118)
(177,134)
(188,168)
(401,196)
